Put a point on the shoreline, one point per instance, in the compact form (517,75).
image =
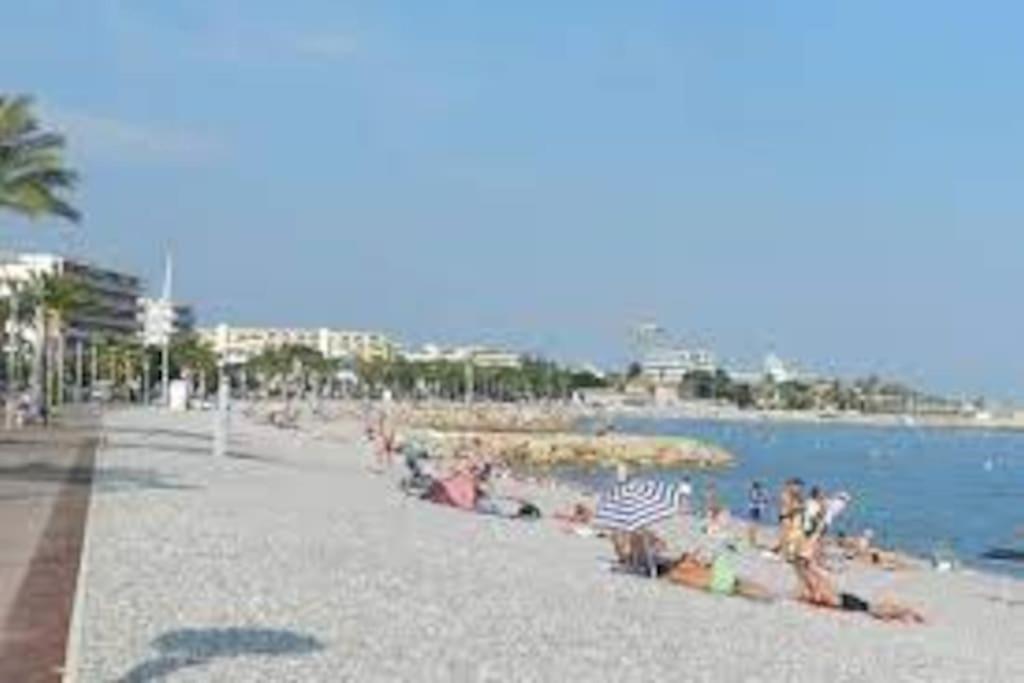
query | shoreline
(774,417)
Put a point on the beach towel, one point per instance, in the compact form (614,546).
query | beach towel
(458,490)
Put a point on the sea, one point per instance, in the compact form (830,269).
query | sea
(927,491)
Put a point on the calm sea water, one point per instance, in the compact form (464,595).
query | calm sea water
(918,489)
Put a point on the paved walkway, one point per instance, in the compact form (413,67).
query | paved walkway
(45,479)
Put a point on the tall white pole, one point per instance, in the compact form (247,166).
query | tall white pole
(220,426)
(165,372)
(168,324)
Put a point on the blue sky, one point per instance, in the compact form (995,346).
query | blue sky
(839,182)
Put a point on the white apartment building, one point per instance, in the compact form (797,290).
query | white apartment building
(669,366)
(480,356)
(112,296)
(240,344)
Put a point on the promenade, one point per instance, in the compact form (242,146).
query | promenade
(287,560)
(45,479)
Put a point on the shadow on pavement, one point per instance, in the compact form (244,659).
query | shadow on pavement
(184,450)
(104,478)
(191,647)
(155,431)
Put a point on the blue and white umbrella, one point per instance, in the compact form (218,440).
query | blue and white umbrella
(636,503)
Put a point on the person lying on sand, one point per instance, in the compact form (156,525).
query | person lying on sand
(577,520)
(816,589)
(718,577)
(580,513)
(637,552)
(861,548)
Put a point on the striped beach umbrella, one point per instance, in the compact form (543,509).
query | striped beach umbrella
(636,503)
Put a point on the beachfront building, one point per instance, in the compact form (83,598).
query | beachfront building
(159,319)
(480,356)
(238,345)
(111,296)
(668,366)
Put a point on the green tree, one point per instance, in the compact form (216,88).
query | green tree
(33,177)
(57,296)
(192,358)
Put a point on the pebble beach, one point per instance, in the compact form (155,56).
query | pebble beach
(289,560)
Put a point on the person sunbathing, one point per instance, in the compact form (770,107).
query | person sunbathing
(817,589)
(579,514)
(643,552)
(640,551)
(718,577)
(861,548)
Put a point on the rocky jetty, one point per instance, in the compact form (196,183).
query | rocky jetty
(546,449)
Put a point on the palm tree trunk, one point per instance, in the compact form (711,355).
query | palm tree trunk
(61,349)
(94,364)
(39,370)
(79,370)
(145,377)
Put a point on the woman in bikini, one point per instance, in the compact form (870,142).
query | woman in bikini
(642,552)
(816,589)
(715,577)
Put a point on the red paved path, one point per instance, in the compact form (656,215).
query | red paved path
(45,483)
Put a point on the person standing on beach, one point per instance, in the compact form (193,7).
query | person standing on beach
(835,506)
(686,495)
(757,499)
(717,515)
(387,442)
(791,508)
(814,511)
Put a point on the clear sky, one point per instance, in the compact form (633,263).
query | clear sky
(838,181)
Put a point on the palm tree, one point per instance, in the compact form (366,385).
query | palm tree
(33,177)
(16,310)
(192,357)
(57,297)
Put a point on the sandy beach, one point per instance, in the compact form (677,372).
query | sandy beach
(289,560)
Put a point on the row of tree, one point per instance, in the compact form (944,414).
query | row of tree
(290,370)
(34,183)
(867,395)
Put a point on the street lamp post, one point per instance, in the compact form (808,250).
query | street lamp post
(220,426)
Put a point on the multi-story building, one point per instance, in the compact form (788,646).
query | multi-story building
(668,366)
(159,318)
(480,356)
(111,296)
(240,344)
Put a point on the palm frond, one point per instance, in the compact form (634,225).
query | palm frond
(33,177)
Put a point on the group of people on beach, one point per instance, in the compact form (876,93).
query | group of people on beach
(805,521)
